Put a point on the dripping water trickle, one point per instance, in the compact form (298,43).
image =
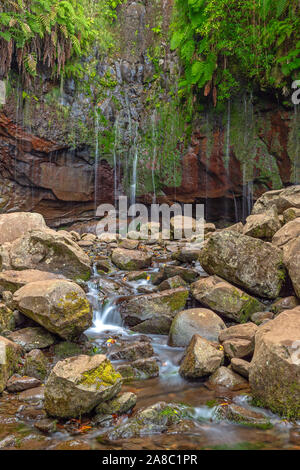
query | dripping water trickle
(96,157)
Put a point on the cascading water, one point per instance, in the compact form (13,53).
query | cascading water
(134,176)
(106,315)
(96,157)
(116,161)
(153,118)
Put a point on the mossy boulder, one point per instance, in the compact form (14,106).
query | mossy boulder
(262,226)
(7,319)
(36,365)
(291,214)
(201,358)
(141,369)
(131,260)
(274,374)
(59,306)
(77,385)
(119,405)
(243,416)
(250,263)
(201,321)
(10,355)
(153,419)
(46,250)
(154,307)
(187,274)
(172,283)
(226,299)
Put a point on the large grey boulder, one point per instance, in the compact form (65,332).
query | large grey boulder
(274,373)
(226,299)
(201,321)
(13,226)
(248,262)
(46,250)
(60,306)
(77,385)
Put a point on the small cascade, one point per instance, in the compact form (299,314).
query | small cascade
(96,157)
(106,316)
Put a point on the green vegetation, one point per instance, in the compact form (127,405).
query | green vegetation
(225,44)
(34,32)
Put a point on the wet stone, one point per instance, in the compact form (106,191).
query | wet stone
(19,384)
(32,338)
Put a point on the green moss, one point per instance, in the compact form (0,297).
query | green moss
(102,376)
(287,406)
(176,301)
(75,304)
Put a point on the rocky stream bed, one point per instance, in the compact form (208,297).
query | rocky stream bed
(152,344)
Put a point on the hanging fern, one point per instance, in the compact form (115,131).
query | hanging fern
(49,32)
(225,43)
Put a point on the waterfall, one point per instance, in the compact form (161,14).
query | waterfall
(96,157)
(227,153)
(134,172)
(116,161)
(153,118)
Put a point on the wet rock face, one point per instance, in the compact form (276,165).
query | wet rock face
(250,263)
(39,171)
(274,374)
